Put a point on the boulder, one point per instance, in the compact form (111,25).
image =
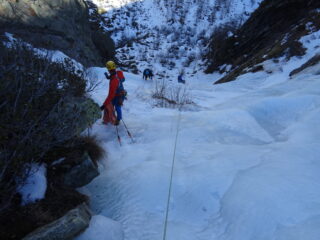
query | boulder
(84,111)
(64,228)
(78,113)
(81,174)
(91,112)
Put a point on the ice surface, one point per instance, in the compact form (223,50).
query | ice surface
(246,159)
(246,163)
(102,228)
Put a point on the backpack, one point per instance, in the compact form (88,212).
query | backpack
(121,93)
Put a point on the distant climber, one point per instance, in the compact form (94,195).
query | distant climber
(116,95)
(180,79)
(147,73)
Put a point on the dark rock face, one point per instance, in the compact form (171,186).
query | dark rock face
(57,25)
(100,38)
(271,31)
(81,174)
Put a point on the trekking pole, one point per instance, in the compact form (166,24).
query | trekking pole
(119,139)
(129,134)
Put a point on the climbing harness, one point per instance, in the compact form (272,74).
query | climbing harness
(171,177)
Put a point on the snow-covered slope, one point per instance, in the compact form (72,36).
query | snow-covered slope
(246,159)
(157,33)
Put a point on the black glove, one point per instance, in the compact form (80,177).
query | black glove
(107,76)
(102,107)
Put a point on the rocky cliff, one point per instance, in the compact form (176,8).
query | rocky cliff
(273,30)
(57,25)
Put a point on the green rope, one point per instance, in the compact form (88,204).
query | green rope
(171,177)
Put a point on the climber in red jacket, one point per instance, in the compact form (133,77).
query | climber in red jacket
(116,95)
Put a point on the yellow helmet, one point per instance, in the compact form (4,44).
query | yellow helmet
(110,65)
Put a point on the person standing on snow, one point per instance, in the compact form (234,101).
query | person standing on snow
(180,80)
(116,95)
(147,73)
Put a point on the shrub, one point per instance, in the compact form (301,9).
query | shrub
(73,149)
(171,96)
(34,118)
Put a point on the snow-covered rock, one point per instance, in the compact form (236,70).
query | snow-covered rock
(35,185)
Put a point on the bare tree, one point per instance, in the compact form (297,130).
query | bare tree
(171,96)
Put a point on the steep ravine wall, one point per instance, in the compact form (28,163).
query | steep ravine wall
(57,25)
(273,30)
